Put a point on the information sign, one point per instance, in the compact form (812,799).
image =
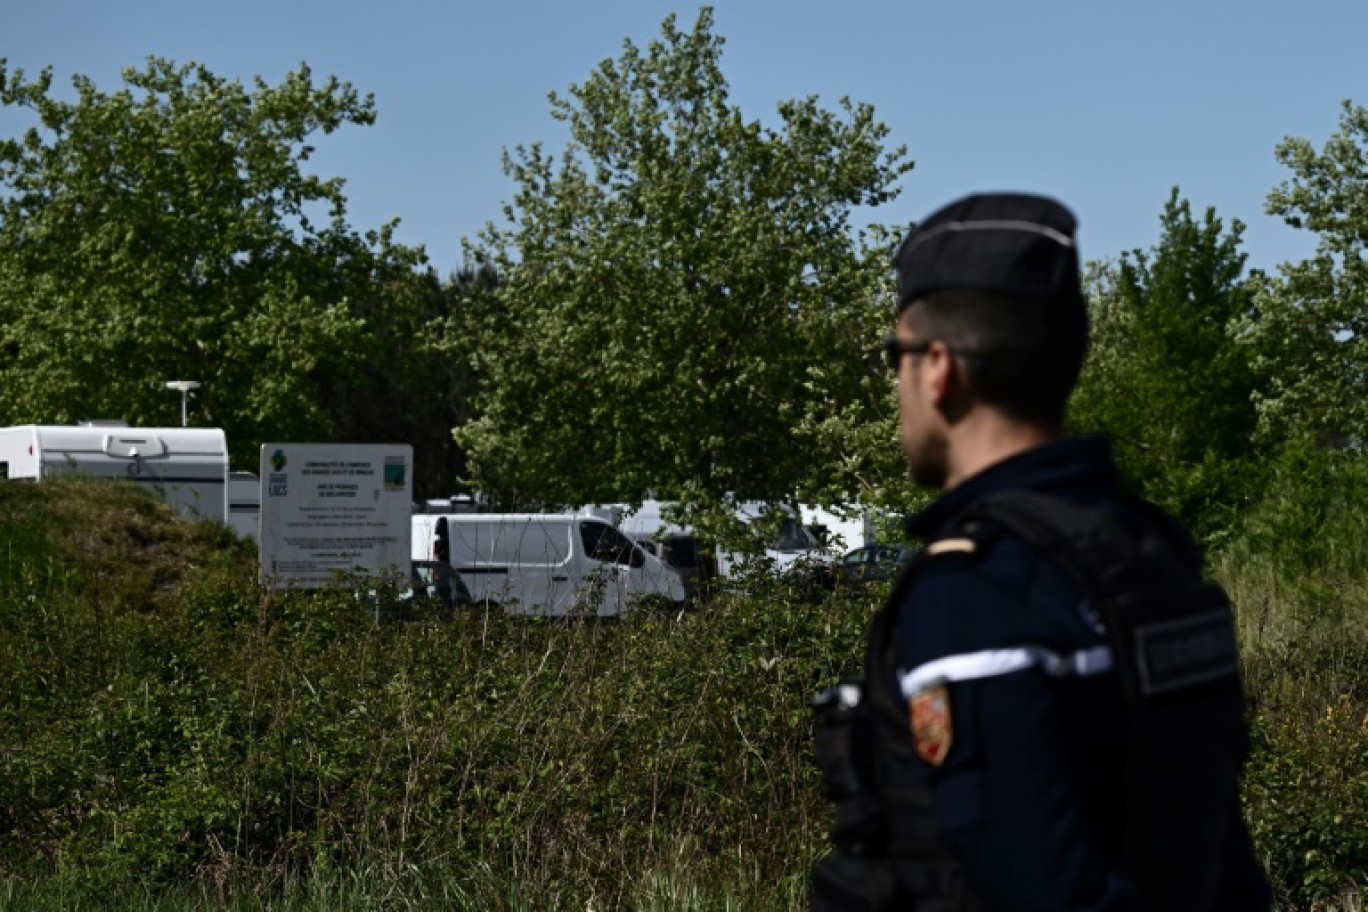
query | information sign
(330,509)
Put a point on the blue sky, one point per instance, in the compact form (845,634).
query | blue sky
(1102,104)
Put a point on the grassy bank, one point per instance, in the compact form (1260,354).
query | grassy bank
(173,737)
(1298,574)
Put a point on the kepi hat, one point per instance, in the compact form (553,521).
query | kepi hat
(1012,244)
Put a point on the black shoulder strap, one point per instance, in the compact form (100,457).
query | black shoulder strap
(1170,630)
(1173,531)
(1093,546)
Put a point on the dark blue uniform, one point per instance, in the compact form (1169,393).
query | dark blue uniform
(1025,769)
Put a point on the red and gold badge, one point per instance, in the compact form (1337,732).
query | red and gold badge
(931,728)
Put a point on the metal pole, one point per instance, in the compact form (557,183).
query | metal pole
(185,386)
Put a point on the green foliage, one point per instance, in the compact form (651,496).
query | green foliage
(1297,572)
(201,743)
(1301,553)
(1306,791)
(1309,331)
(1165,377)
(417,380)
(682,290)
(168,230)
(241,740)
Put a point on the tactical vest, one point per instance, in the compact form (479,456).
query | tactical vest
(1170,642)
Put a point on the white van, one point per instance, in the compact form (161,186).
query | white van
(791,543)
(186,467)
(535,563)
(849,529)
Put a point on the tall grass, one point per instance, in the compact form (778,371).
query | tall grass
(202,731)
(174,737)
(1298,576)
(477,890)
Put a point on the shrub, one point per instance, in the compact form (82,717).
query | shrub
(171,731)
(204,730)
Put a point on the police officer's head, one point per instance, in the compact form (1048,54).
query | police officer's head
(989,300)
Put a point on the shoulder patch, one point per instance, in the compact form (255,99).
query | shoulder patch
(952,546)
(932,732)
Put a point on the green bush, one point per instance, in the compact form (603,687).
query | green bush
(1306,790)
(173,736)
(240,739)
(1297,571)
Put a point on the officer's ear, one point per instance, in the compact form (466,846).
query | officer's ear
(946,379)
(939,371)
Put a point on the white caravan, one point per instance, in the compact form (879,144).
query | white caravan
(844,531)
(186,467)
(244,504)
(791,543)
(535,563)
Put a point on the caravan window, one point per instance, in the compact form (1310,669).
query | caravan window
(603,542)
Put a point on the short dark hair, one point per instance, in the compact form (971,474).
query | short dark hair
(1021,356)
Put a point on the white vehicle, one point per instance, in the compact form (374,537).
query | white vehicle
(678,544)
(790,544)
(844,531)
(535,563)
(186,467)
(673,543)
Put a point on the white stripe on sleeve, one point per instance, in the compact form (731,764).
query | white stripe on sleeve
(989,663)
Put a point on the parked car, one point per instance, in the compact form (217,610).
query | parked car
(698,562)
(875,562)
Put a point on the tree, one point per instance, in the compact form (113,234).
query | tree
(418,380)
(1309,331)
(682,288)
(168,230)
(1166,377)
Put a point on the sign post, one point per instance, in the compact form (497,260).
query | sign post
(330,509)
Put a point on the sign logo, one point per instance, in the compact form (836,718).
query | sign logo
(395,471)
(278,460)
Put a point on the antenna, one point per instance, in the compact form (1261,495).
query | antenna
(185,386)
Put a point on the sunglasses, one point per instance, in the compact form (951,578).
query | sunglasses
(895,349)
